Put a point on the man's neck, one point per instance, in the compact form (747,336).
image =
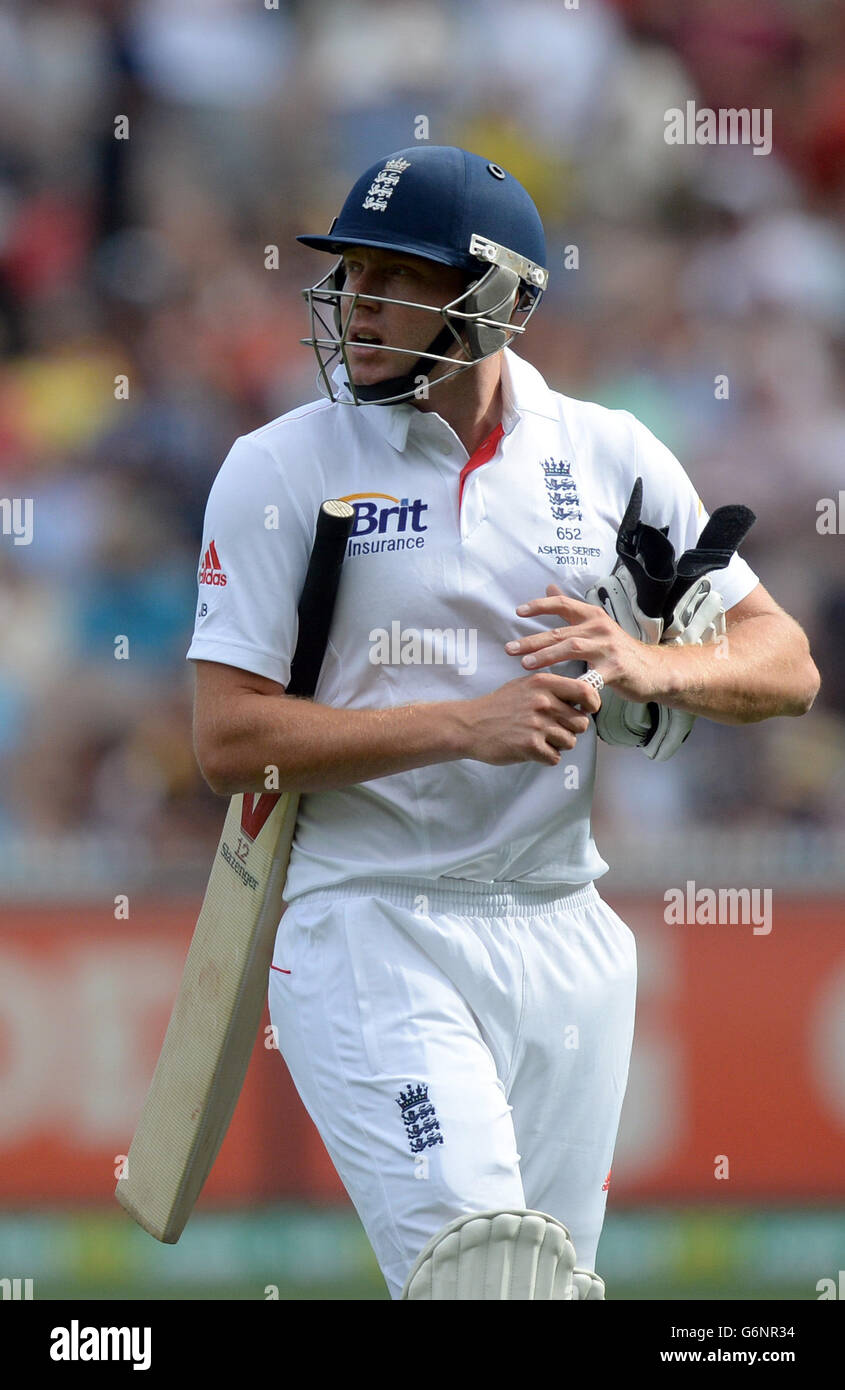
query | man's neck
(470,402)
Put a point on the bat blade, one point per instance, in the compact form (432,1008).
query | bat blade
(212,1028)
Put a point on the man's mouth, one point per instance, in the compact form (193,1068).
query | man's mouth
(364,339)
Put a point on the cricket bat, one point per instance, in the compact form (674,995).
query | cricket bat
(212,1029)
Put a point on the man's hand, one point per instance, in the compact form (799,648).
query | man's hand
(632,668)
(530,719)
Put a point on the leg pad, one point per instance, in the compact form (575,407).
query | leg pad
(493,1255)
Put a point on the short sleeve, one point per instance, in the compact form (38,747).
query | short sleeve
(252,565)
(669,498)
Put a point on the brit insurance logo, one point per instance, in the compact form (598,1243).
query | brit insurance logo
(383,523)
(562,489)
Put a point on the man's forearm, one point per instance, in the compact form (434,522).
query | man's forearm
(280,743)
(761,668)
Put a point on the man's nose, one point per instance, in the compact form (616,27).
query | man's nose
(371,305)
(359,306)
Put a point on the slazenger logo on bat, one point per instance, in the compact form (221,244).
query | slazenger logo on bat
(211,570)
(256,809)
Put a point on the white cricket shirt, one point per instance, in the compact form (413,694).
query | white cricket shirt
(433,573)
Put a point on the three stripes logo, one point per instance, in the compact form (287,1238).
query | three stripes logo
(211,570)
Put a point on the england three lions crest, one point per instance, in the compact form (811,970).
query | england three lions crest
(562,489)
(419,1118)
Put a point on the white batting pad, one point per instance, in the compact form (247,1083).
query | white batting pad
(494,1255)
(586,1284)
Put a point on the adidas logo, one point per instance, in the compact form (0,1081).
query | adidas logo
(211,571)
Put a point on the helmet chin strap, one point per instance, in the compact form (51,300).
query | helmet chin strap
(407,384)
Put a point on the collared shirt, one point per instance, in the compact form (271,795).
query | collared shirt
(434,571)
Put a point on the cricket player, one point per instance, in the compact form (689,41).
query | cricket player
(453,998)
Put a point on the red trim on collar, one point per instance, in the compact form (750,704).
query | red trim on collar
(483,454)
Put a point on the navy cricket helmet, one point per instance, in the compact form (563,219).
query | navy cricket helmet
(451,207)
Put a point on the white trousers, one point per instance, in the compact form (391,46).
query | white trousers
(458,1050)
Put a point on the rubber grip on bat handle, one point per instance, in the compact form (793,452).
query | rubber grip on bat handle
(319,592)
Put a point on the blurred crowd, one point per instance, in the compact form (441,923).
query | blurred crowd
(151,151)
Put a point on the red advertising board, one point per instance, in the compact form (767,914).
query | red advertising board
(737,1083)
(739,1055)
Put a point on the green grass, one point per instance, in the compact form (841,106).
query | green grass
(321,1254)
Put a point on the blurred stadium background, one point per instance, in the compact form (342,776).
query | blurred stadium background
(144,259)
